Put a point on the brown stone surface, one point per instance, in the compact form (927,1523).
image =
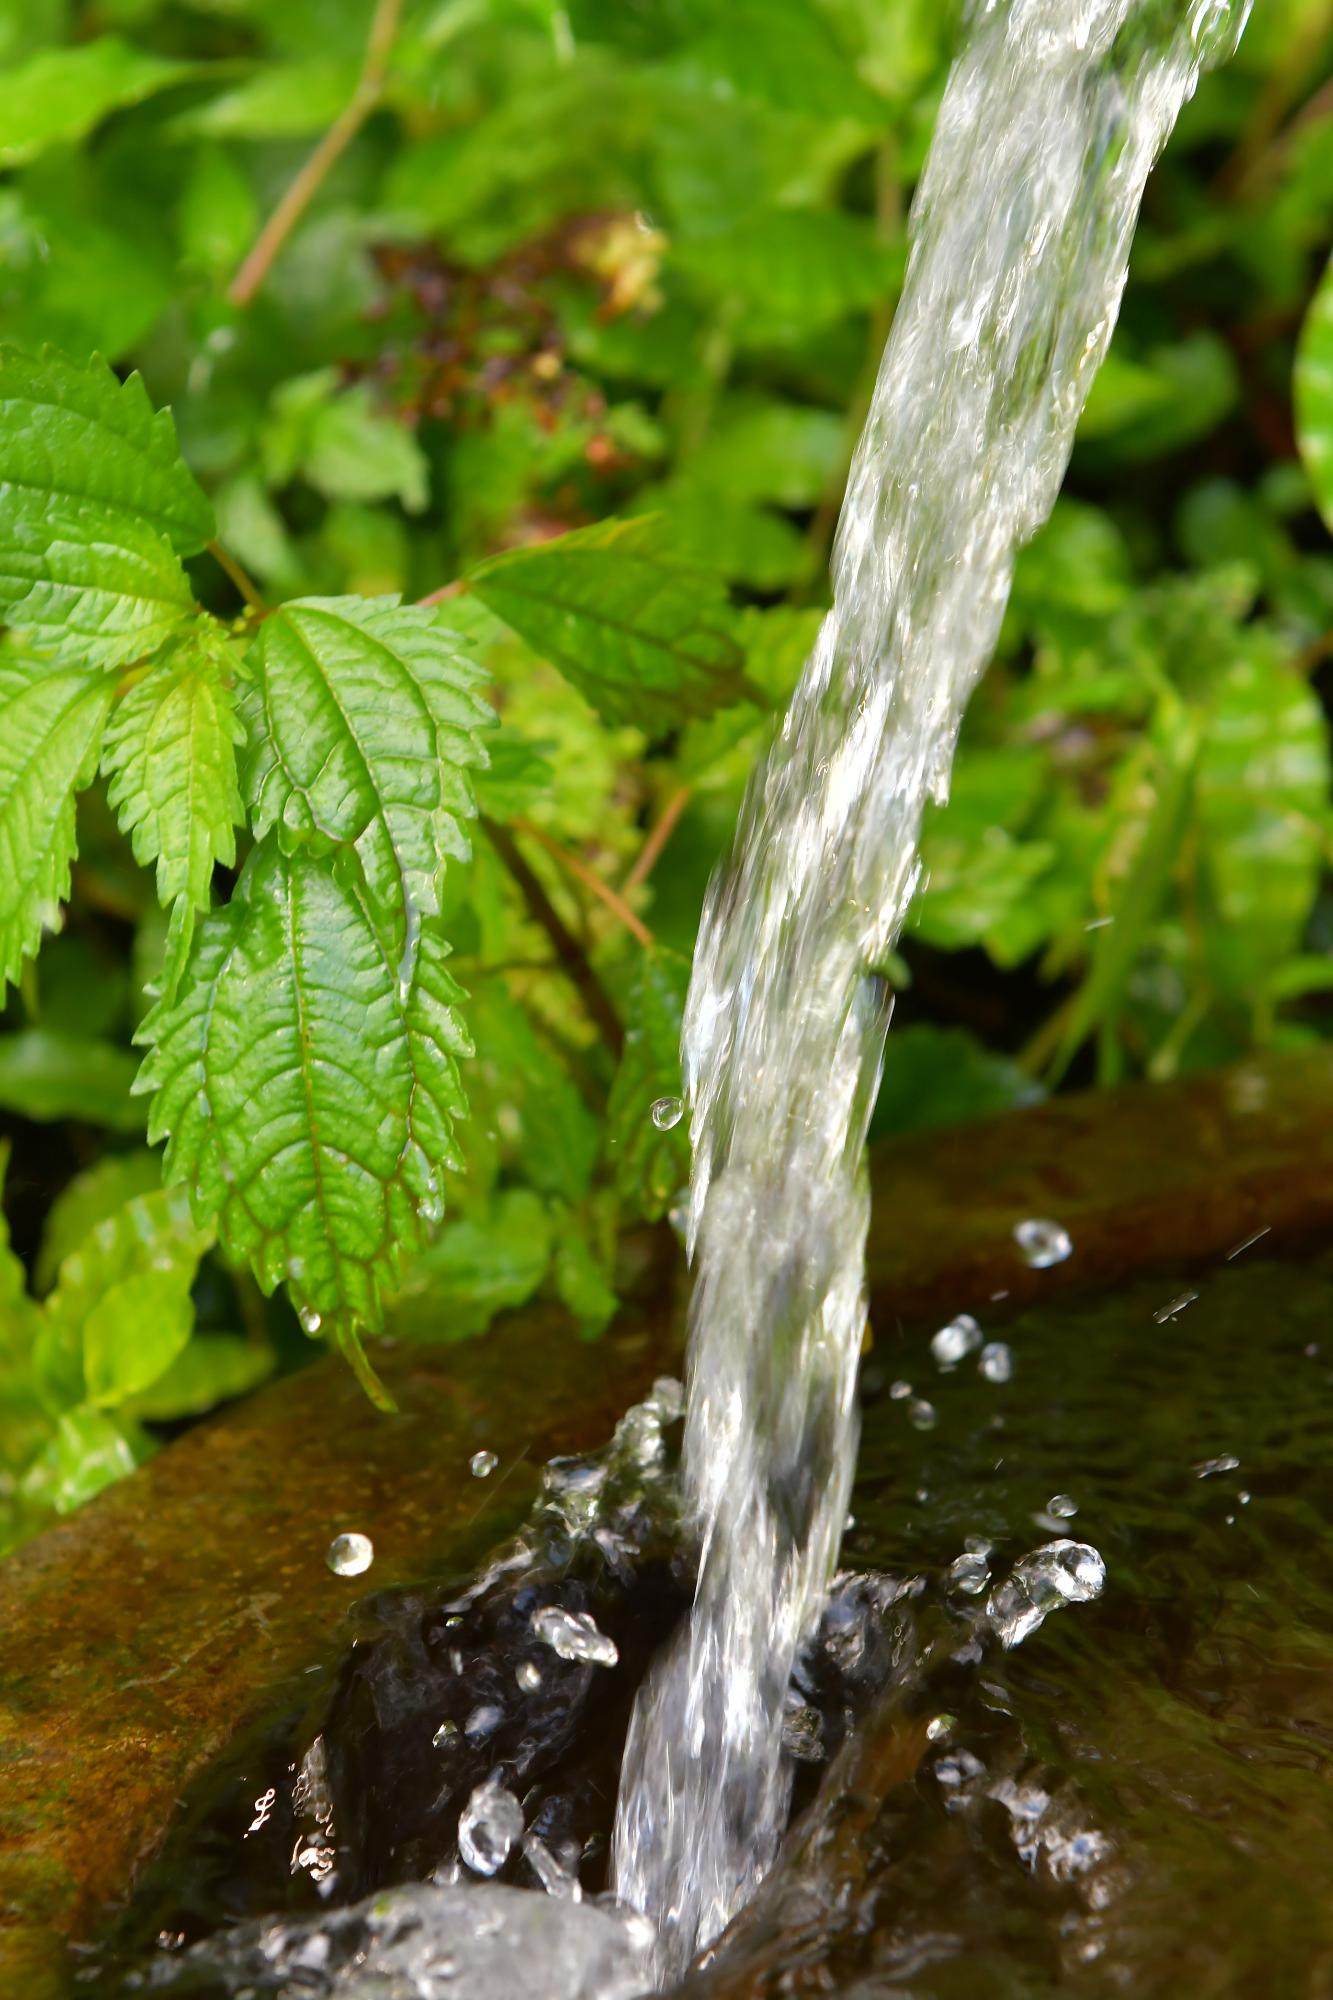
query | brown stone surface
(135,1637)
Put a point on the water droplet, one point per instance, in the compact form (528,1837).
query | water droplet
(968,1573)
(573,1635)
(959,1338)
(350,1555)
(921,1415)
(483,1464)
(899,1391)
(490,1823)
(1225,1462)
(1174,1307)
(1043,1242)
(1063,1508)
(997,1361)
(556,1880)
(666,1112)
(484,1720)
(939,1726)
(1060,1573)
(311,1321)
(528,1675)
(446,1733)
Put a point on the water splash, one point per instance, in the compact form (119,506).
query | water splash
(1050,122)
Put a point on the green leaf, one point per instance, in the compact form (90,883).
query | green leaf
(794,271)
(96,506)
(57,96)
(639,633)
(50,732)
(47,1074)
(87,1200)
(651,1165)
(219,215)
(343,443)
(478,1266)
(945,1076)
(759,449)
(783,52)
(122,1299)
(363,721)
(90,1451)
(307,1081)
(170,755)
(582,1282)
(524,1094)
(1314,394)
(213,1368)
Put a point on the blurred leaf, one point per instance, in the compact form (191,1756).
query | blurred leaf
(89,1452)
(651,1165)
(945,1076)
(122,1299)
(641,634)
(284,101)
(96,506)
(50,731)
(342,444)
(782,51)
(478,1266)
(761,449)
(1314,394)
(219,215)
(1175,394)
(213,1368)
(517,778)
(525,1099)
(98,1192)
(582,1282)
(47,1074)
(794,270)
(58,95)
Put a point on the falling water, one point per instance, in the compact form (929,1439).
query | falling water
(1052,118)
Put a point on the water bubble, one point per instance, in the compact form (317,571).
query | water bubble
(311,1321)
(1062,1506)
(490,1823)
(968,1573)
(446,1733)
(997,1361)
(528,1675)
(350,1555)
(573,1635)
(484,1720)
(1060,1573)
(899,1391)
(482,1464)
(921,1415)
(1225,1462)
(666,1112)
(956,1340)
(1043,1242)
(554,1879)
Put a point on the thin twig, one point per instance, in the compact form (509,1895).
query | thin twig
(309,178)
(227,562)
(591,881)
(568,950)
(454,589)
(658,835)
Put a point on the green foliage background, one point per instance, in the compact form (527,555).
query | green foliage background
(573,338)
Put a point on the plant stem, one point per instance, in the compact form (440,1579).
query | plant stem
(310,177)
(658,835)
(228,564)
(568,950)
(591,881)
(446,590)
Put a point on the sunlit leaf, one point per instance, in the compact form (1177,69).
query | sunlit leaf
(1314,394)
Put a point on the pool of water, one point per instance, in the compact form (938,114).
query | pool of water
(1135,1799)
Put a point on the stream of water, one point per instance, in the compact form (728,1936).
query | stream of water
(1052,118)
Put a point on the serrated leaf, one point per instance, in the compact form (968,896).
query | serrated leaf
(87,1200)
(641,634)
(363,721)
(170,755)
(96,507)
(307,1083)
(651,1164)
(121,1311)
(1314,394)
(48,1074)
(50,732)
(58,95)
